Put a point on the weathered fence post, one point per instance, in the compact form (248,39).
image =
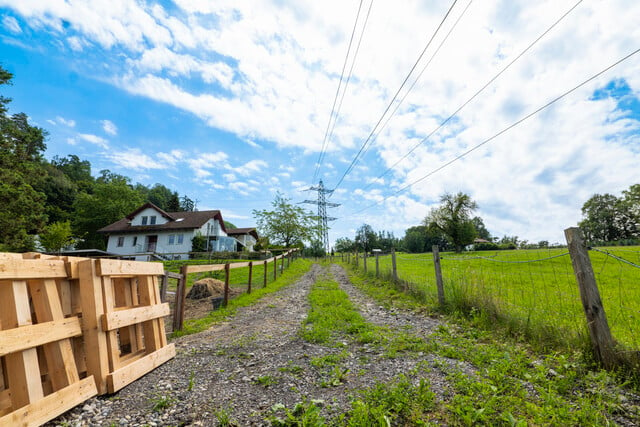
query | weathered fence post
(364,262)
(377,266)
(436,265)
(265,274)
(163,287)
(250,276)
(357,261)
(282,265)
(181,294)
(227,272)
(601,339)
(394,269)
(275,268)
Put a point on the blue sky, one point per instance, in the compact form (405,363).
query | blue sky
(228,102)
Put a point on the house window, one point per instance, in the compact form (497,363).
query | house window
(144,220)
(180,238)
(135,240)
(152,220)
(172,239)
(120,241)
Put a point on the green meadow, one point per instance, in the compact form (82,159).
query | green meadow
(533,292)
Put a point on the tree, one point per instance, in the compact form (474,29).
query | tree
(602,218)
(22,211)
(421,238)
(366,238)
(481,230)
(186,204)
(78,171)
(56,236)
(286,224)
(453,219)
(112,199)
(344,244)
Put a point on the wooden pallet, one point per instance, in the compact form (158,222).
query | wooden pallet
(122,320)
(39,376)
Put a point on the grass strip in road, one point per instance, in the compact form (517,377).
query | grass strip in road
(295,271)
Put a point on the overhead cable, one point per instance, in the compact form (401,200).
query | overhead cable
(478,92)
(355,159)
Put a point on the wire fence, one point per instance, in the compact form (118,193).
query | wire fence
(533,292)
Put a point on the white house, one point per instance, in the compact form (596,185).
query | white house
(149,231)
(246,237)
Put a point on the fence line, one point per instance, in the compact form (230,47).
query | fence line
(185,270)
(537,297)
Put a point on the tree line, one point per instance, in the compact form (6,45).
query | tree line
(60,200)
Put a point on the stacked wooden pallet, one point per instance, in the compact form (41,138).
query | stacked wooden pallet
(71,328)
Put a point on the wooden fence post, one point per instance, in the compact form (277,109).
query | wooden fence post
(357,261)
(364,262)
(377,266)
(181,294)
(163,287)
(250,276)
(436,264)
(601,339)
(275,268)
(227,272)
(265,274)
(282,265)
(394,269)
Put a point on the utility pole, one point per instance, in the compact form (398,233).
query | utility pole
(323,219)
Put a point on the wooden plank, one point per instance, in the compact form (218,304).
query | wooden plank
(95,342)
(158,301)
(114,267)
(239,265)
(5,399)
(151,328)
(121,318)
(172,275)
(113,346)
(59,355)
(204,268)
(31,269)
(9,255)
(51,406)
(22,369)
(126,375)
(25,337)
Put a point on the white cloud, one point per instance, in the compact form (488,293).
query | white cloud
(67,122)
(109,127)
(94,139)
(11,24)
(134,158)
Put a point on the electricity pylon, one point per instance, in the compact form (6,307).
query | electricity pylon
(323,219)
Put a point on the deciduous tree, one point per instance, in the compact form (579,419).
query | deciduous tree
(453,219)
(286,224)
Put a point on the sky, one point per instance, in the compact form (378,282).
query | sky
(391,104)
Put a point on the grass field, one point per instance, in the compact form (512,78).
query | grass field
(534,292)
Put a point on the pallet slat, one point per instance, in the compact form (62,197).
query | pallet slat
(129,373)
(121,318)
(22,338)
(23,269)
(112,267)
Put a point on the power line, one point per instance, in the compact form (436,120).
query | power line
(355,159)
(511,126)
(426,138)
(353,63)
(335,99)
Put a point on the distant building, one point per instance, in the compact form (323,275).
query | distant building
(246,237)
(149,232)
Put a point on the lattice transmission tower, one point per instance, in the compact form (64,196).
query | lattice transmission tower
(323,219)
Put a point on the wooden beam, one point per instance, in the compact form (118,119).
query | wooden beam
(131,316)
(51,406)
(23,269)
(131,372)
(22,338)
(114,267)
(239,265)
(204,268)
(151,328)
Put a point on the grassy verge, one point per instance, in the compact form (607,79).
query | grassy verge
(290,275)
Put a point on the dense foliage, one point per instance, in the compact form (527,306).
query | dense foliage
(286,224)
(611,219)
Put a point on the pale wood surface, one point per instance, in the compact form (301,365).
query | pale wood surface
(22,338)
(52,405)
(131,316)
(129,373)
(31,269)
(112,267)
